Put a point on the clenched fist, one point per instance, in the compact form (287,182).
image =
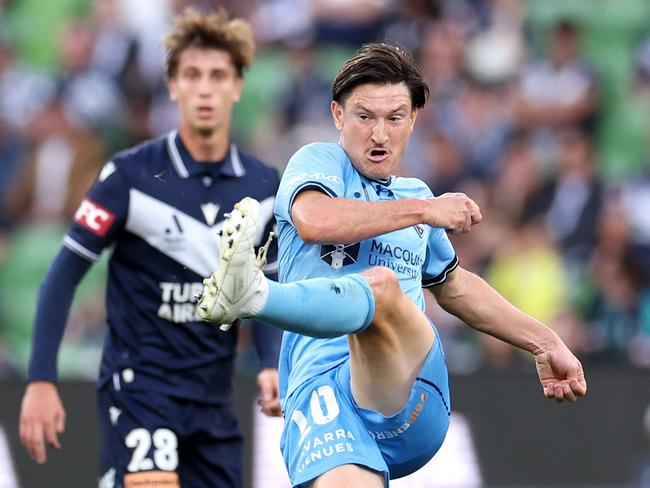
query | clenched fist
(455,212)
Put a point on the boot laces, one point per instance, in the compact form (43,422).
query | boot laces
(260,260)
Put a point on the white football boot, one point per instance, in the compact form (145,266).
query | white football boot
(237,288)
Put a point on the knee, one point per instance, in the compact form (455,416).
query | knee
(384,284)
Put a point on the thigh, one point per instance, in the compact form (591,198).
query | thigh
(385,357)
(349,476)
(323,431)
(410,438)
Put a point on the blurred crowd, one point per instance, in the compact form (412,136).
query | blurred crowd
(540,111)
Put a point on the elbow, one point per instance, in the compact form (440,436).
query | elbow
(315,218)
(309,236)
(311,233)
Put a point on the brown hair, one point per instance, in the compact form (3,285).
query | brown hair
(212,31)
(383,64)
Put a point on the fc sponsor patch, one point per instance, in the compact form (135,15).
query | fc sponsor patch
(94,217)
(152,479)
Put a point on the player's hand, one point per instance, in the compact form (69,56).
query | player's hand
(455,212)
(268,384)
(42,419)
(561,374)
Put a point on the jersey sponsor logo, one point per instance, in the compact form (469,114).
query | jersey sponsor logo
(397,252)
(174,237)
(94,217)
(324,446)
(152,479)
(413,416)
(419,229)
(178,302)
(403,261)
(339,255)
(311,177)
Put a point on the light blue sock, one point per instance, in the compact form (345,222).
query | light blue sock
(320,307)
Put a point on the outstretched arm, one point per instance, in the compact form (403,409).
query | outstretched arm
(471,299)
(42,416)
(98,220)
(325,220)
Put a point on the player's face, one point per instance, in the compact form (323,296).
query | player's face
(206,86)
(375,123)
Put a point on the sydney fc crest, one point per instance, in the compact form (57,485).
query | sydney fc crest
(339,255)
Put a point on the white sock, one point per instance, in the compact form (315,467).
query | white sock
(256,303)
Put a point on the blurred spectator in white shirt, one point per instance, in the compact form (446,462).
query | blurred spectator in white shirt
(557,91)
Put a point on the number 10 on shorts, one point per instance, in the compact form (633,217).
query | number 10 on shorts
(321,397)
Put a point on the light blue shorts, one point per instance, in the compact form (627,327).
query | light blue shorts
(324,427)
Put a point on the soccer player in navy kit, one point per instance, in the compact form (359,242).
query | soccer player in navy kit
(164,390)
(363,381)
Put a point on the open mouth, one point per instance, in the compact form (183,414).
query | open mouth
(378,154)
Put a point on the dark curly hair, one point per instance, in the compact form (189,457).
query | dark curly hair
(216,30)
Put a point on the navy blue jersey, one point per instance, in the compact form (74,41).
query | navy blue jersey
(159,212)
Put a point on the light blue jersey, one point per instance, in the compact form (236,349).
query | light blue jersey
(420,255)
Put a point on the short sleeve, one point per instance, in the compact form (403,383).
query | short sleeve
(101,214)
(440,260)
(315,166)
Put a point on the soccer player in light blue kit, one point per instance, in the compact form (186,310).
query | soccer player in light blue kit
(362,373)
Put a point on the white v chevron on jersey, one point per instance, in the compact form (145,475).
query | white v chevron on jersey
(210,212)
(169,230)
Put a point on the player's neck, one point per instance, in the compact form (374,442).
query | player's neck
(204,148)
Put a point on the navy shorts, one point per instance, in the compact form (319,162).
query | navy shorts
(324,427)
(152,440)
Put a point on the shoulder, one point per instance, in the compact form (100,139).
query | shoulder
(322,164)
(152,152)
(328,149)
(414,187)
(318,155)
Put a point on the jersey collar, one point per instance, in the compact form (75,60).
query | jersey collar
(385,182)
(380,187)
(186,166)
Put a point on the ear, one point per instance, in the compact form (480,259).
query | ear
(414,116)
(238,89)
(171,87)
(337,114)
